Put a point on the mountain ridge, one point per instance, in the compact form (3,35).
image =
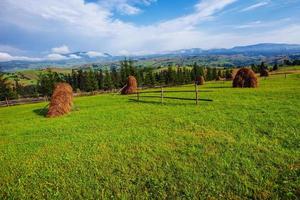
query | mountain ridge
(250,52)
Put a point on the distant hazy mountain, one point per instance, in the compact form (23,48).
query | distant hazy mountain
(241,55)
(257,49)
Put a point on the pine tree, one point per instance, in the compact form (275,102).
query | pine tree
(91,81)
(187,77)
(131,68)
(202,71)
(262,66)
(220,74)
(275,67)
(140,77)
(74,82)
(126,67)
(255,68)
(100,79)
(81,80)
(228,74)
(47,81)
(209,74)
(214,74)
(116,79)
(195,71)
(18,87)
(149,78)
(108,84)
(171,75)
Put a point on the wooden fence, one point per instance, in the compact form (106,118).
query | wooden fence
(163,96)
(21,101)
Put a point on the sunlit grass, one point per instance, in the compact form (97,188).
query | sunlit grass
(243,144)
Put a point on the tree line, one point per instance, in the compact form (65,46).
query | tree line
(88,80)
(92,80)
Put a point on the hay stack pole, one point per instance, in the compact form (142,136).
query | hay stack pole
(61,100)
(245,78)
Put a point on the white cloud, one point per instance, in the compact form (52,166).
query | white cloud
(11,49)
(86,26)
(129,10)
(264,24)
(64,49)
(255,6)
(55,57)
(74,56)
(125,7)
(92,25)
(4,57)
(93,54)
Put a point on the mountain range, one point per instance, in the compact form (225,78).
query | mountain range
(240,55)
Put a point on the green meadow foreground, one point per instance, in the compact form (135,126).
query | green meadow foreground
(244,144)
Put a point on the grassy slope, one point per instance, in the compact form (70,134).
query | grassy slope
(244,144)
(31,76)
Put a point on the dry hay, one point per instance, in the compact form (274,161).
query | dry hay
(131,87)
(245,78)
(264,73)
(200,80)
(61,100)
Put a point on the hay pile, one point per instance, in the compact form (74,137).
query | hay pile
(61,100)
(131,86)
(200,80)
(264,73)
(245,78)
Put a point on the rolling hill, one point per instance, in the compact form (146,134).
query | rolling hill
(236,56)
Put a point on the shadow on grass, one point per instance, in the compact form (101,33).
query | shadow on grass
(220,87)
(155,102)
(41,111)
(167,103)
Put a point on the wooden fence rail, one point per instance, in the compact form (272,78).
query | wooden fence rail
(162,94)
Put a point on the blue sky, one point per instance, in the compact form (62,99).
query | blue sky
(37,30)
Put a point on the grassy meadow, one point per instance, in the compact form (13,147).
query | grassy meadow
(245,144)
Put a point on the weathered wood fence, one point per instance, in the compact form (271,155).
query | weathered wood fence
(21,101)
(163,93)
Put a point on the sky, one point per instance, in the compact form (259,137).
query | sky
(49,29)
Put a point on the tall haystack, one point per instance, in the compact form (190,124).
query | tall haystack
(200,80)
(245,78)
(264,73)
(131,86)
(61,100)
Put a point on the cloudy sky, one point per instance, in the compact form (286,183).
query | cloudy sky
(47,29)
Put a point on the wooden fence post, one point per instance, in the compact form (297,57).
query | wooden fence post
(285,74)
(162,95)
(196,91)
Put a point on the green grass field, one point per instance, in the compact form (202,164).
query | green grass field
(243,145)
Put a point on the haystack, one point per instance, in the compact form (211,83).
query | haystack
(61,100)
(200,80)
(131,86)
(264,73)
(245,78)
